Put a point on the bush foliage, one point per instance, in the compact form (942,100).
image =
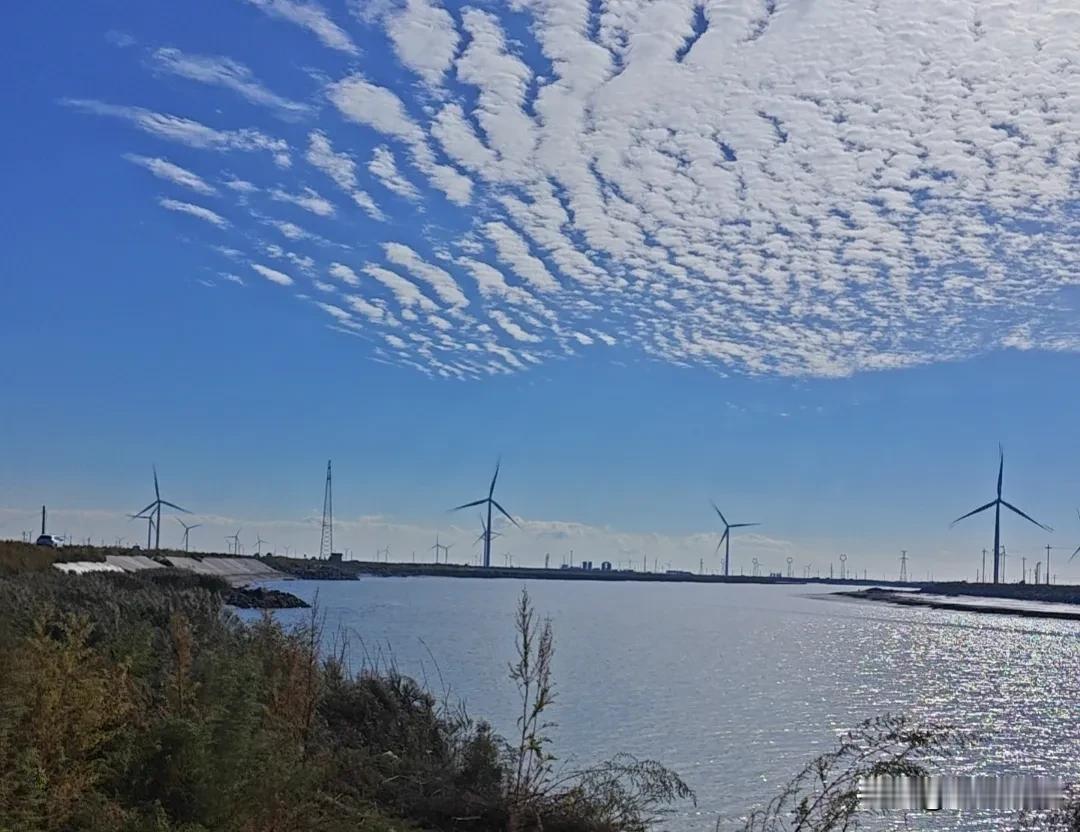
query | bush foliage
(139,703)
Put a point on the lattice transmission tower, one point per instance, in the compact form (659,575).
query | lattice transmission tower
(326,544)
(903,565)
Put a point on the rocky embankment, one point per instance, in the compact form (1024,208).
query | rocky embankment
(261,598)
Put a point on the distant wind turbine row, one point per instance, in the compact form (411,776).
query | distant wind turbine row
(152,514)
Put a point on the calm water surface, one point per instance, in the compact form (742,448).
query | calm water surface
(735,687)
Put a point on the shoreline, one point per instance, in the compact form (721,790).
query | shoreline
(944,601)
(321,570)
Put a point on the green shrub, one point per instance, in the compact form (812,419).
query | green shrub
(138,702)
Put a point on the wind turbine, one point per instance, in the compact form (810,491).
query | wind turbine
(235,538)
(155,509)
(1074,554)
(996,505)
(187,530)
(489,501)
(149,526)
(483,534)
(258,544)
(725,539)
(439,546)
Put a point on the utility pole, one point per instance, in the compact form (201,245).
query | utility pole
(1023,570)
(984,567)
(1048,548)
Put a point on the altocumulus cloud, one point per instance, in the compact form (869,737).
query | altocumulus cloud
(767,187)
(198,211)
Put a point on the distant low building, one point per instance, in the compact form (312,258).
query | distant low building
(335,557)
(605,566)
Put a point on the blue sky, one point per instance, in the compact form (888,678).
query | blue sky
(655,256)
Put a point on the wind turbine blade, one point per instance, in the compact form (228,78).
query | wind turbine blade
(181,522)
(491,491)
(1026,517)
(1001,467)
(718,511)
(742,525)
(723,537)
(197,525)
(141,513)
(174,505)
(157,492)
(506,514)
(1074,554)
(991,504)
(470,505)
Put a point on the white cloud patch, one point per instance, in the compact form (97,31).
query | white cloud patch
(164,169)
(512,328)
(514,251)
(344,274)
(241,186)
(310,16)
(406,293)
(379,108)
(341,168)
(273,275)
(198,211)
(383,167)
(290,230)
(425,39)
(186,131)
(439,279)
(308,199)
(227,73)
